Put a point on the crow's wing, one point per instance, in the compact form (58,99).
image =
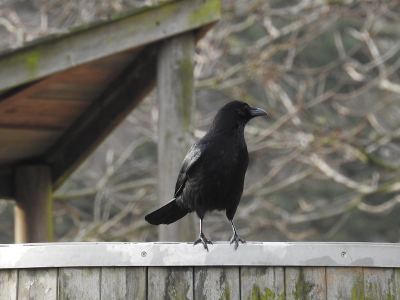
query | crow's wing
(192,157)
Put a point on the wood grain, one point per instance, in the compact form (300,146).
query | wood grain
(379,283)
(345,283)
(18,144)
(8,284)
(70,91)
(34,204)
(37,284)
(397,283)
(79,283)
(43,107)
(103,115)
(213,283)
(170,283)
(258,283)
(103,39)
(201,283)
(305,283)
(35,122)
(123,283)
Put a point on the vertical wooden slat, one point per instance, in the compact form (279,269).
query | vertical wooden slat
(8,284)
(175,87)
(34,204)
(37,284)
(258,283)
(216,283)
(170,283)
(305,283)
(123,283)
(345,283)
(379,283)
(79,283)
(397,283)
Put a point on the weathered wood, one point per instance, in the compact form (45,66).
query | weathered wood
(52,55)
(379,283)
(170,283)
(37,284)
(103,115)
(175,87)
(345,283)
(259,283)
(123,283)
(216,283)
(20,144)
(8,284)
(79,283)
(34,204)
(79,65)
(36,122)
(305,283)
(75,88)
(397,283)
(43,107)
(70,91)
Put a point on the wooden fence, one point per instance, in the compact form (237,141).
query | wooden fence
(159,271)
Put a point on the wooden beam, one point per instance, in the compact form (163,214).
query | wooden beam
(57,53)
(6,183)
(175,86)
(104,114)
(34,207)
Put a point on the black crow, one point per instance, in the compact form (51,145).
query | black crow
(213,171)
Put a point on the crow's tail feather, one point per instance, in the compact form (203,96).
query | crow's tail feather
(167,214)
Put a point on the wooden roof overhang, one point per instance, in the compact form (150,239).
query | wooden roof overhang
(62,95)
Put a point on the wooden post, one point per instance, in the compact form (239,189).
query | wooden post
(34,207)
(175,125)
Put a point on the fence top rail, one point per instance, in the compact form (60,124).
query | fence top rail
(53,255)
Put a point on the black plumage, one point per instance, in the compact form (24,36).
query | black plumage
(213,171)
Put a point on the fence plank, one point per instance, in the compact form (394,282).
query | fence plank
(305,283)
(259,283)
(79,283)
(345,283)
(397,283)
(37,284)
(123,283)
(170,283)
(8,284)
(217,283)
(379,283)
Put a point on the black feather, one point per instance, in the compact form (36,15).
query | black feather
(167,214)
(213,171)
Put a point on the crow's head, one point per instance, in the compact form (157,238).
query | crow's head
(235,113)
(244,110)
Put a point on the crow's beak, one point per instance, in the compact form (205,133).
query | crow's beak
(256,112)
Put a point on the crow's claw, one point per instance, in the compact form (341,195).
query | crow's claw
(202,239)
(236,239)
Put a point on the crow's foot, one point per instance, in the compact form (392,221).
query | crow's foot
(202,239)
(236,239)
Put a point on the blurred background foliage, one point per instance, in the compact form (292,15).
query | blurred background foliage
(324,166)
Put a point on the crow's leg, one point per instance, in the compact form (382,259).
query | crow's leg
(202,239)
(236,238)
